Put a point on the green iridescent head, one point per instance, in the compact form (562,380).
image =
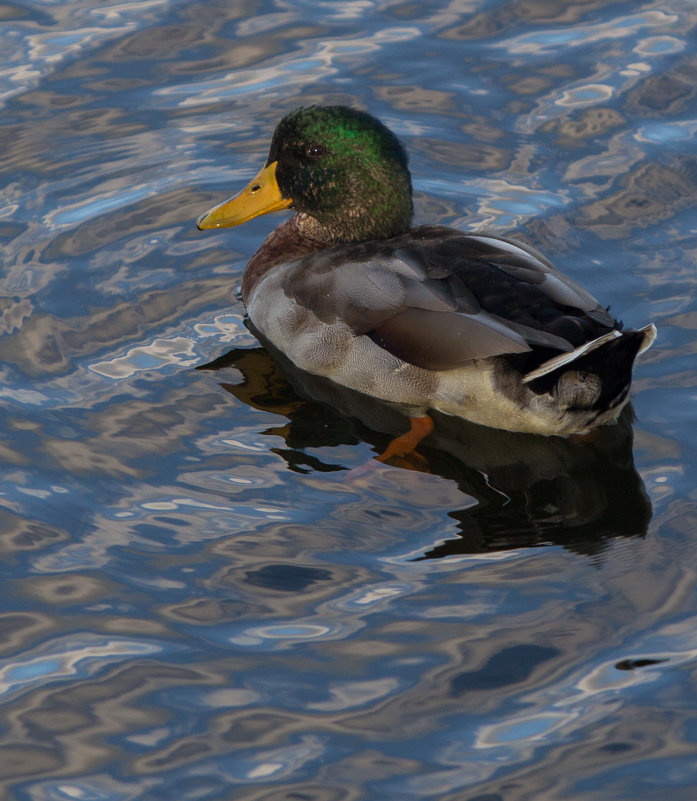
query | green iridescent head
(342,169)
(345,169)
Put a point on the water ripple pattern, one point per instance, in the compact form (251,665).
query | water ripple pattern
(210,588)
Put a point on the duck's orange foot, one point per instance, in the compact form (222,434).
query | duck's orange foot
(400,452)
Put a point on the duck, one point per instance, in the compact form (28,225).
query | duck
(428,317)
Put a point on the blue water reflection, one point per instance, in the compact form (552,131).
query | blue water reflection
(210,588)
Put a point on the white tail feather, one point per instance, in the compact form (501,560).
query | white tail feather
(556,362)
(564,358)
(650,334)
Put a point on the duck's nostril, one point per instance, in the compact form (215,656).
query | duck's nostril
(255,188)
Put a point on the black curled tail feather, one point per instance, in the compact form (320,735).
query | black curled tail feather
(598,379)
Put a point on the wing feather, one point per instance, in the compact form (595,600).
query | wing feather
(438,298)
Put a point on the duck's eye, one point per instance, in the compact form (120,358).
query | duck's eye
(315,151)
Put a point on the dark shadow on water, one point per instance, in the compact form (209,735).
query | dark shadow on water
(509,666)
(528,490)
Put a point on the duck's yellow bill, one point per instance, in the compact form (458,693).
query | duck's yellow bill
(260,196)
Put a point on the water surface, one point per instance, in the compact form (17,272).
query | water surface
(210,589)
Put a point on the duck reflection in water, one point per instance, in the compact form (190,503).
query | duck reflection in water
(529,490)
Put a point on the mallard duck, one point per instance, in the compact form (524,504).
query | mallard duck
(427,317)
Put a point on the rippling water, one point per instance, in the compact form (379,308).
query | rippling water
(210,589)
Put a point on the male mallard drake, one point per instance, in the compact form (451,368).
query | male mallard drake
(428,317)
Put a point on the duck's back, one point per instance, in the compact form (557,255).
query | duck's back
(441,319)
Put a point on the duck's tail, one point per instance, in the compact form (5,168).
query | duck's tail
(595,376)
